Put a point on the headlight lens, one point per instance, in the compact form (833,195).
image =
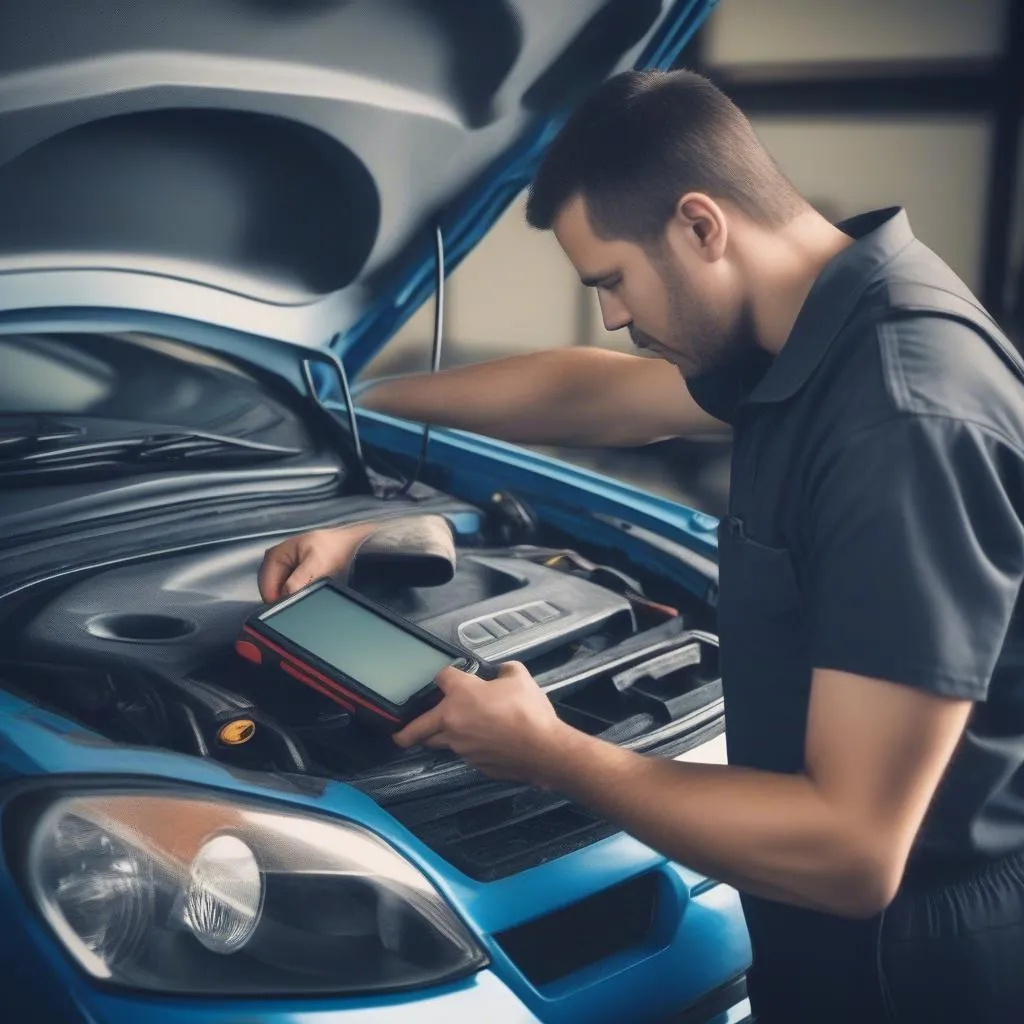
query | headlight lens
(225,895)
(102,890)
(185,893)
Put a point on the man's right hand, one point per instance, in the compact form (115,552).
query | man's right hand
(297,561)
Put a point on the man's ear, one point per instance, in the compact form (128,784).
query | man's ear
(700,224)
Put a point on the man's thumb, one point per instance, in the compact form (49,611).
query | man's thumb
(450,678)
(273,572)
(304,573)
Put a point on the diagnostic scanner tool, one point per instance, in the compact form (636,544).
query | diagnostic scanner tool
(373,663)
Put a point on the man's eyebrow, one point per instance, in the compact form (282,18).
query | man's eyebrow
(596,280)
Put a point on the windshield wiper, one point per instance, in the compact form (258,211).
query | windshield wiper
(17,432)
(58,449)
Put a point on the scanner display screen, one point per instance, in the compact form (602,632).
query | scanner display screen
(364,646)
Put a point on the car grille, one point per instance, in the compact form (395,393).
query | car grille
(491,830)
(491,833)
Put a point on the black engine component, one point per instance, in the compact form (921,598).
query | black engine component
(131,705)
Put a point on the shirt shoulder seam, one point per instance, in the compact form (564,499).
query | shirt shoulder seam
(893,367)
(903,404)
(1016,445)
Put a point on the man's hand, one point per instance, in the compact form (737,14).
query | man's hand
(297,561)
(506,727)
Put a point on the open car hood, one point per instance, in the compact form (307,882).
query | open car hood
(278,167)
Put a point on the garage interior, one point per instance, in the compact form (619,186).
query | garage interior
(864,104)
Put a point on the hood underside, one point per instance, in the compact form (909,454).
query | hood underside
(277,166)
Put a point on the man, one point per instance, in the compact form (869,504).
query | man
(872,814)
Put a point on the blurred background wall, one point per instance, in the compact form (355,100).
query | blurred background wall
(864,103)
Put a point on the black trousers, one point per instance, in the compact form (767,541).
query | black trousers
(948,950)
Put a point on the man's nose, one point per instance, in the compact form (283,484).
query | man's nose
(613,312)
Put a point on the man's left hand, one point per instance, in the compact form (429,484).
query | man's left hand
(506,727)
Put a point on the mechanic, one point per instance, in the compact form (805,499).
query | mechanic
(872,813)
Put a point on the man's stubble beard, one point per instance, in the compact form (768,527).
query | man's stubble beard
(699,338)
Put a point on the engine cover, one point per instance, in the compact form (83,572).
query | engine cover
(175,613)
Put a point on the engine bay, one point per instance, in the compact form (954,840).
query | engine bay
(142,652)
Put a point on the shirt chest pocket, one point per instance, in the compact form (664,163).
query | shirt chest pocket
(765,667)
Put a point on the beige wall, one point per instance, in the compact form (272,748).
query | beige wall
(935,168)
(765,31)
(517,292)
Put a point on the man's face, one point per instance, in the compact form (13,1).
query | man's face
(673,307)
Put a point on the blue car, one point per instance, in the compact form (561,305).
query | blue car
(212,216)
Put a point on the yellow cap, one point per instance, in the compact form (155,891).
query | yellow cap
(235,733)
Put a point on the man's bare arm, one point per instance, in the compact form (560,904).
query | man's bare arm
(585,396)
(834,838)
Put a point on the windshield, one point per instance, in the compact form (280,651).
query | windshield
(140,378)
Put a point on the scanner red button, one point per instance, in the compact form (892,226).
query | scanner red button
(248,650)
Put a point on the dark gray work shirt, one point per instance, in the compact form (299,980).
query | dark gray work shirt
(876,522)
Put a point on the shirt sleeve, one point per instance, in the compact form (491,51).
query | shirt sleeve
(916,554)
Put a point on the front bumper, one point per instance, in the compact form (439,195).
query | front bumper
(483,998)
(696,947)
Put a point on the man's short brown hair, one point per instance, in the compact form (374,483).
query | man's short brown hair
(643,140)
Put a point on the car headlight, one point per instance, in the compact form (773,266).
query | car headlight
(174,892)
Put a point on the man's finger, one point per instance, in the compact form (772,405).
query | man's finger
(304,573)
(420,729)
(437,742)
(452,678)
(277,564)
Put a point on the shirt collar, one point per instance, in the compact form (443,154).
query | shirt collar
(879,236)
